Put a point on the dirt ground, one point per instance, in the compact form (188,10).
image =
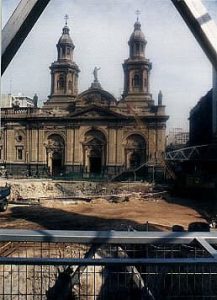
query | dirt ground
(99,214)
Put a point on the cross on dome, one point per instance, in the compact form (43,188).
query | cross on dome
(66,19)
(138,12)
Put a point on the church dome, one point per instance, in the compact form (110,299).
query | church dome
(65,38)
(137,34)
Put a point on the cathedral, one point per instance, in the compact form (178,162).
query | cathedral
(91,132)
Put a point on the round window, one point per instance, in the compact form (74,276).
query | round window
(19,138)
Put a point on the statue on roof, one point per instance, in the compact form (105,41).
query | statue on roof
(95,74)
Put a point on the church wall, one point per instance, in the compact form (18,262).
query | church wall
(28,145)
(161,142)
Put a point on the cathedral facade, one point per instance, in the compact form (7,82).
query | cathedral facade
(88,132)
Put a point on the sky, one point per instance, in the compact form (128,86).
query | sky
(100,31)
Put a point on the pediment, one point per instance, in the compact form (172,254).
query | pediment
(96,96)
(94,112)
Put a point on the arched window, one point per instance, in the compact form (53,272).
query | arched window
(63,51)
(70,85)
(136,81)
(19,153)
(61,82)
(68,51)
(137,48)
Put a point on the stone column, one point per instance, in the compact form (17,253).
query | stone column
(9,149)
(130,81)
(42,150)
(86,158)
(34,145)
(161,143)
(49,160)
(120,158)
(111,146)
(52,83)
(69,146)
(27,149)
(152,144)
(77,148)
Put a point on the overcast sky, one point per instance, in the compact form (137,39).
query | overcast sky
(100,31)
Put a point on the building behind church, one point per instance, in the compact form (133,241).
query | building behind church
(89,132)
(201,123)
(9,100)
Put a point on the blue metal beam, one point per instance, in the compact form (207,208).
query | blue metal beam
(106,237)
(18,27)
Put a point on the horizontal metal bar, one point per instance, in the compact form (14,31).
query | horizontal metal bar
(105,261)
(106,237)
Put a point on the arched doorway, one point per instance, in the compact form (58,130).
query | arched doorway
(95,161)
(55,149)
(94,151)
(134,159)
(135,151)
(57,163)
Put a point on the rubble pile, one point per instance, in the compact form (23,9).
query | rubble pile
(48,189)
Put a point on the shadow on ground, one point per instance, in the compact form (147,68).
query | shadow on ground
(205,206)
(57,219)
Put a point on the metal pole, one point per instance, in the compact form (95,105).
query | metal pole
(214,104)
(18,27)
(201,25)
(204,30)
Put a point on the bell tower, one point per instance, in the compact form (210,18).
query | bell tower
(137,69)
(64,72)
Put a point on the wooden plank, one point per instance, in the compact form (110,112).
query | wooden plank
(18,27)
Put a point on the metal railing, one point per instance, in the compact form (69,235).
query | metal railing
(107,265)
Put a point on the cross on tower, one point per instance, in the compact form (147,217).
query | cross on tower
(138,12)
(66,19)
